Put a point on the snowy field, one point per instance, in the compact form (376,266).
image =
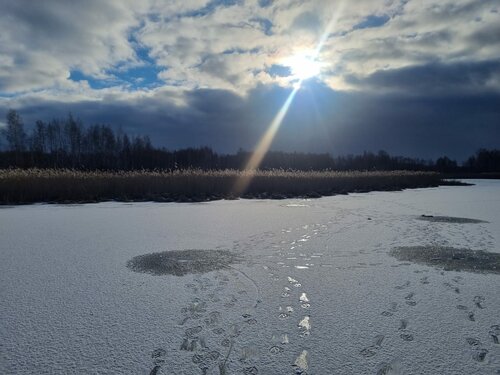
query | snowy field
(309,287)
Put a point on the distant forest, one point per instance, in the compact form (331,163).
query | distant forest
(67,143)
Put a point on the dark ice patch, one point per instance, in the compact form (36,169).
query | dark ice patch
(182,262)
(450,258)
(450,219)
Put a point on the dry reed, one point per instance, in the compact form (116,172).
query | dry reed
(67,186)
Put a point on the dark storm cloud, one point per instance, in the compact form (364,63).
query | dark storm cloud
(320,120)
(445,79)
(424,127)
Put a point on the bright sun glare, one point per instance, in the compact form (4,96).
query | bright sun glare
(303,66)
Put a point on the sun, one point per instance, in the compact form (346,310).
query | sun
(303,66)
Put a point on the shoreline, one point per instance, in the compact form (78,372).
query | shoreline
(21,187)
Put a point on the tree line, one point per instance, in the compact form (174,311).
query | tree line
(67,143)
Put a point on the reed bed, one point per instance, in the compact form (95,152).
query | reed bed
(18,186)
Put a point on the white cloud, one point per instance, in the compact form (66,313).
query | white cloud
(424,32)
(44,40)
(199,44)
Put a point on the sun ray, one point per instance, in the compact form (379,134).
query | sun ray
(263,146)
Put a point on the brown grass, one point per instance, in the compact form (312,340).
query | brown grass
(69,186)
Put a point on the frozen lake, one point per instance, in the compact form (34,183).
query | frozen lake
(309,286)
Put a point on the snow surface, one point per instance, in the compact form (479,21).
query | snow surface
(316,291)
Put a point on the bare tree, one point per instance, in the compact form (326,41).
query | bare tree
(14,133)
(39,137)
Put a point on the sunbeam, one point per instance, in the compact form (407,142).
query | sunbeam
(263,145)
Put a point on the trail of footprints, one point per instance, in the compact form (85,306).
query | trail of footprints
(294,311)
(479,353)
(297,302)
(303,323)
(478,237)
(208,341)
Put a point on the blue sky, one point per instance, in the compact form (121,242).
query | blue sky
(387,74)
(141,76)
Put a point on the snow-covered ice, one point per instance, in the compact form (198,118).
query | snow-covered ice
(311,289)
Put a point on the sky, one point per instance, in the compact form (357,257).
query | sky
(418,78)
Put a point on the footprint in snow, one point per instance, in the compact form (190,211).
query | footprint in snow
(424,280)
(495,333)
(403,324)
(480,355)
(471,316)
(407,336)
(478,301)
(372,350)
(403,286)
(158,357)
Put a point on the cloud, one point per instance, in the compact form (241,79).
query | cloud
(44,41)
(232,44)
(434,79)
